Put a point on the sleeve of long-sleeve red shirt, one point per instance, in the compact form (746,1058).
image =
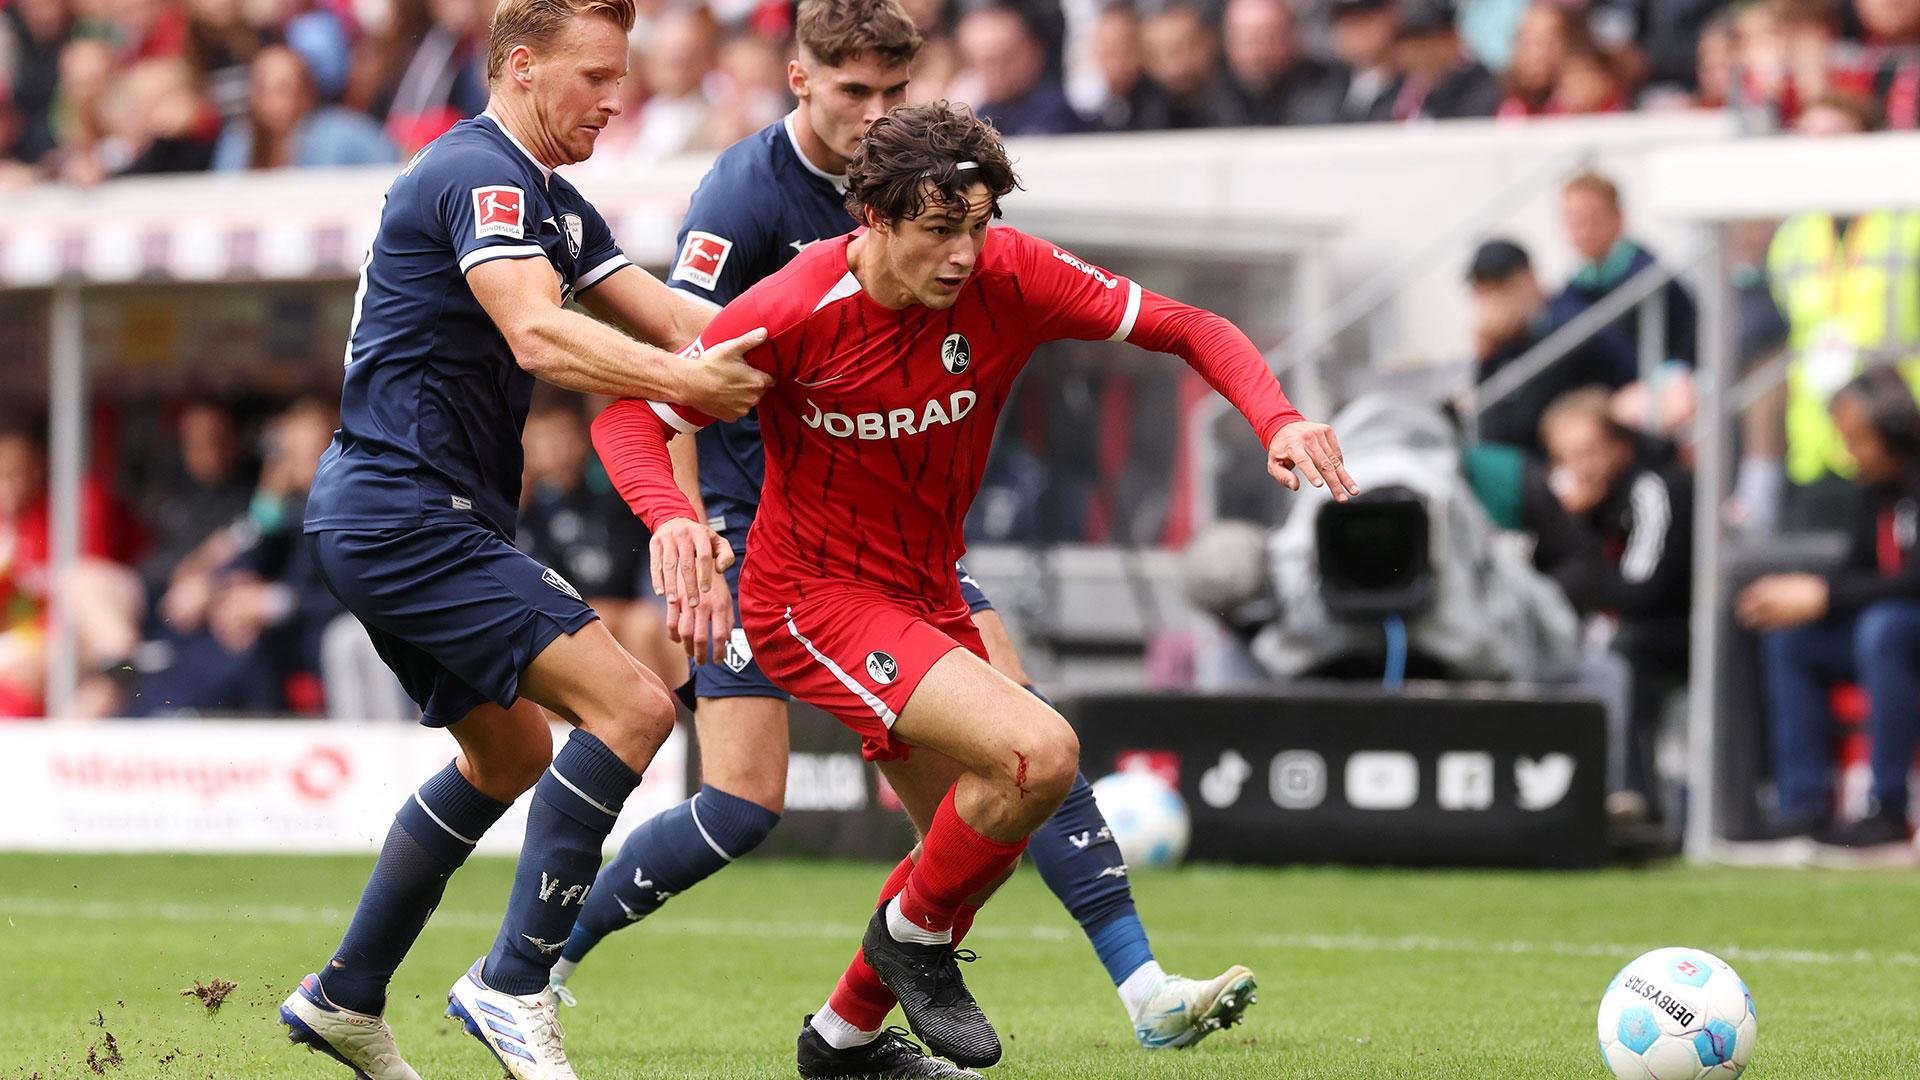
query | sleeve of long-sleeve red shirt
(631,434)
(631,438)
(1069,299)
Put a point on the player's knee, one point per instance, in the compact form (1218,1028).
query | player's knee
(650,714)
(633,719)
(1051,759)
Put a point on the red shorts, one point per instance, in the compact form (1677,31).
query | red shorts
(856,653)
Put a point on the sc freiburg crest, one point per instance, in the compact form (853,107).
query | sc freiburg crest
(955,354)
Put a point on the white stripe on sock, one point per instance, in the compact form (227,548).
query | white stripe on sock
(693,807)
(575,788)
(442,824)
(839,1033)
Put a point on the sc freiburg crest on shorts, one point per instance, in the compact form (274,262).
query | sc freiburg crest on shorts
(881,668)
(955,354)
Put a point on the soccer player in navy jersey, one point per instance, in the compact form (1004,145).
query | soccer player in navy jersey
(460,307)
(766,199)
(894,350)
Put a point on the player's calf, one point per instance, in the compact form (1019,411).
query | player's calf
(668,854)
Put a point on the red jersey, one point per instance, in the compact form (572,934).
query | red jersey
(878,423)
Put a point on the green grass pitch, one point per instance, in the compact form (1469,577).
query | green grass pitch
(1363,973)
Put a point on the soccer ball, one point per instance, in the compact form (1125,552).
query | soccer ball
(1677,1014)
(1148,818)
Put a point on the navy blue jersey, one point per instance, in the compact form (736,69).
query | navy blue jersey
(434,403)
(759,206)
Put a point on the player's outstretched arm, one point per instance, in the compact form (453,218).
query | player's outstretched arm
(1068,298)
(688,556)
(570,350)
(637,300)
(1222,354)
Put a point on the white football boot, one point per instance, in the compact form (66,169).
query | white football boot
(1182,1011)
(361,1042)
(523,1032)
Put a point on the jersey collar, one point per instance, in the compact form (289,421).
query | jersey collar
(546,174)
(838,180)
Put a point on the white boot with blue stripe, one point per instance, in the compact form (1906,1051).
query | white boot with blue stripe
(523,1032)
(359,1041)
(1175,1012)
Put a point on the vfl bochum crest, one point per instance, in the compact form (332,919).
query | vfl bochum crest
(570,224)
(739,652)
(553,578)
(881,668)
(955,354)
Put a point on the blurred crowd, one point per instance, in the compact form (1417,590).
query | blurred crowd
(1827,316)
(194,592)
(91,89)
(1562,482)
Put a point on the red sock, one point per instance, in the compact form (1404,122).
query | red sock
(861,999)
(955,862)
(896,880)
(963,922)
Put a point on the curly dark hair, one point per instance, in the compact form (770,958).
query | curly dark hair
(920,156)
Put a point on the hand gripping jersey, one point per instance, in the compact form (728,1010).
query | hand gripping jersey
(878,423)
(758,208)
(434,402)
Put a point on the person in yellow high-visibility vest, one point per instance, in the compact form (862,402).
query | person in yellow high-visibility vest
(1849,288)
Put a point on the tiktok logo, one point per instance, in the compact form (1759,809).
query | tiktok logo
(1220,786)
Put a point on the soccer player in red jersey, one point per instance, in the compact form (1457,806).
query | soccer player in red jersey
(893,350)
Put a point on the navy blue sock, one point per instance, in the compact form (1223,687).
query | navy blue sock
(574,808)
(432,835)
(668,854)
(1077,858)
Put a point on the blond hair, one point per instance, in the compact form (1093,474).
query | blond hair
(1595,184)
(538,22)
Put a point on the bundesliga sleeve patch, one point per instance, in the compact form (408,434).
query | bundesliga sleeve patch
(700,261)
(497,212)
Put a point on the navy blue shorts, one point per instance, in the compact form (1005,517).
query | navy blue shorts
(734,672)
(454,609)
